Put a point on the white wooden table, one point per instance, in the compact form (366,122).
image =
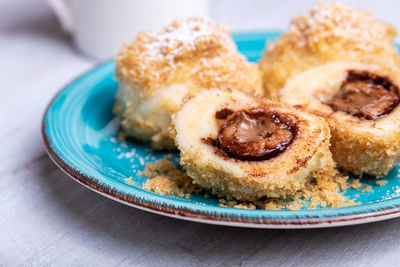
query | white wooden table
(48,219)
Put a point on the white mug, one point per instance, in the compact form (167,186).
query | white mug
(100,27)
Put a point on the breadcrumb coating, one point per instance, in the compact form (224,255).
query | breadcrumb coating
(328,32)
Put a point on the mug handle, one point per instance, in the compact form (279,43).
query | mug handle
(63,13)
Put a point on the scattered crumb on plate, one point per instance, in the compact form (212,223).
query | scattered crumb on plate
(367,189)
(381,182)
(129,180)
(166,179)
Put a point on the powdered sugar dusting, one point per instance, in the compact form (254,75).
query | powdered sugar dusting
(340,23)
(193,50)
(183,37)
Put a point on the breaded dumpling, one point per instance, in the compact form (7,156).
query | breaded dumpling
(361,104)
(246,148)
(157,70)
(328,32)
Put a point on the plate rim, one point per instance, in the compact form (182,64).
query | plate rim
(162,208)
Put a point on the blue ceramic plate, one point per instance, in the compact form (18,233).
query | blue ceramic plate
(80,134)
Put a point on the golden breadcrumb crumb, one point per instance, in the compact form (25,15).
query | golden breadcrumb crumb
(356,184)
(381,182)
(129,180)
(367,189)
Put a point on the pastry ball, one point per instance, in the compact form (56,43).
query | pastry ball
(245,148)
(158,70)
(328,32)
(360,103)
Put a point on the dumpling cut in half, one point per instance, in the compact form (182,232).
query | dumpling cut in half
(157,70)
(245,148)
(361,104)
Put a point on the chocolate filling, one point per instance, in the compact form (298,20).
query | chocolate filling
(365,95)
(223,113)
(254,135)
